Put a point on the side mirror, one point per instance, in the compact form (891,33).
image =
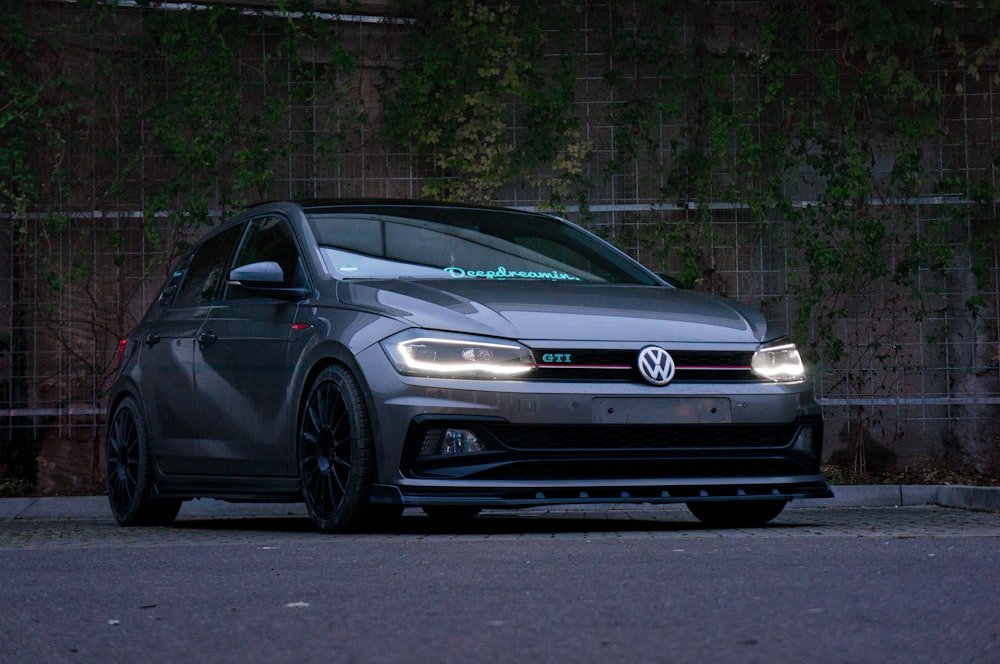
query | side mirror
(267,273)
(264,279)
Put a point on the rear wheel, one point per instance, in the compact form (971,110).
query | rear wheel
(336,457)
(130,471)
(737,513)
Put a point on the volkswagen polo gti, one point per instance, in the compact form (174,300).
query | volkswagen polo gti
(366,356)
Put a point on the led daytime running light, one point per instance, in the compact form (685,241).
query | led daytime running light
(779,363)
(421,355)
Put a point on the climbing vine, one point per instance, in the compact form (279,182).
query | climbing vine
(477,94)
(36,111)
(818,114)
(806,126)
(218,128)
(186,110)
(862,98)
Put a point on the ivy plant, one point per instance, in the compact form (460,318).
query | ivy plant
(477,94)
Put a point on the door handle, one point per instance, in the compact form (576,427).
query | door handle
(152,339)
(207,338)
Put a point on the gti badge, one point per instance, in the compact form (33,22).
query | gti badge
(556,358)
(656,365)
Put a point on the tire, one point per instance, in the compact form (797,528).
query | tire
(737,513)
(130,471)
(452,512)
(336,452)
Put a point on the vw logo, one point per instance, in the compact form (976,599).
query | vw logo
(656,365)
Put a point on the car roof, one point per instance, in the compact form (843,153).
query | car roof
(387,203)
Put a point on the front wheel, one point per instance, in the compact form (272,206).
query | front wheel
(737,513)
(130,471)
(336,457)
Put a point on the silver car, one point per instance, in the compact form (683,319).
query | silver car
(366,356)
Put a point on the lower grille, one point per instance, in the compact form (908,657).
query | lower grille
(666,455)
(650,437)
(660,469)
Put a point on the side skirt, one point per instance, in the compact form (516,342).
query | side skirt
(233,489)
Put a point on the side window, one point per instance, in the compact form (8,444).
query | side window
(169,289)
(270,239)
(206,270)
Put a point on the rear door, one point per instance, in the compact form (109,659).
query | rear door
(167,353)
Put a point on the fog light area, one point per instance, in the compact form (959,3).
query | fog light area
(804,440)
(445,442)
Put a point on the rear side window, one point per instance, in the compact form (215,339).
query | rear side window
(204,276)
(170,288)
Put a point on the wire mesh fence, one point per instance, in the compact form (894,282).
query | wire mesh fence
(922,363)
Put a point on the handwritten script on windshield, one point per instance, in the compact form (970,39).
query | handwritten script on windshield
(503,273)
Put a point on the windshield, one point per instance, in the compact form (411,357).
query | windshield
(464,243)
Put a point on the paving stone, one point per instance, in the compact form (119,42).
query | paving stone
(672,523)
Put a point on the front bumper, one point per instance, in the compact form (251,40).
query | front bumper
(541,443)
(523,466)
(531,494)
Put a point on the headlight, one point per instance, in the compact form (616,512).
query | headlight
(780,363)
(425,353)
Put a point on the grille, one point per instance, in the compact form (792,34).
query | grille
(711,359)
(620,366)
(650,437)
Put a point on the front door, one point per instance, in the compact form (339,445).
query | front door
(243,367)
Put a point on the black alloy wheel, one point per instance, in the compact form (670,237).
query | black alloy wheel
(336,457)
(737,513)
(130,471)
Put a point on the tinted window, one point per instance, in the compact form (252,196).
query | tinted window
(170,288)
(466,243)
(270,239)
(204,275)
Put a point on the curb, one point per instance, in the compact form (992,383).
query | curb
(978,498)
(984,499)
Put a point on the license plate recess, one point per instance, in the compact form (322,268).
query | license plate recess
(662,410)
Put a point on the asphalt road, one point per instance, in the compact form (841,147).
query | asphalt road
(847,584)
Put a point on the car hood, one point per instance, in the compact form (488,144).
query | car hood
(529,310)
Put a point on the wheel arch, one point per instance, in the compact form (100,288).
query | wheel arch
(131,472)
(125,388)
(327,355)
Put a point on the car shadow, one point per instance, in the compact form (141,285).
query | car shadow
(418,524)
